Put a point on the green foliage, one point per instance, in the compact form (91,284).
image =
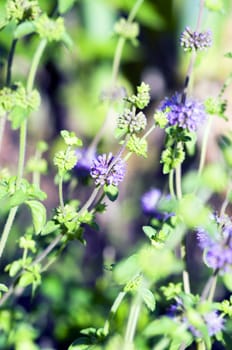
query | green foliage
(39,216)
(142,98)
(137,145)
(127,29)
(111,192)
(50,29)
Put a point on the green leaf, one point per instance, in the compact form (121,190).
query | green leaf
(23,29)
(83,343)
(65,5)
(38,212)
(3,287)
(67,40)
(14,267)
(49,228)
(149,231)
(148,298)
(26,279)
(215,177)
(227,279)
(17,116)
(111,191)
(228,55)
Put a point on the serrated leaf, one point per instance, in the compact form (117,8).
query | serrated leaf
(111,191)
(23,29)
(17,116)
(26,279)
(148,298)
(65,5)
(38,212)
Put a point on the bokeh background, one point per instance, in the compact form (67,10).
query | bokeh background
(78,290)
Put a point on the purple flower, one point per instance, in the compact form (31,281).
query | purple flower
(193,40)
(85,159)
(105,170)
(188,115)
(149,202)
(214,322)
(217,248)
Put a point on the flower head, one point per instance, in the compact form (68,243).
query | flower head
(105,170)
(84,162)
(188,115)
(217,248)
(149,203)
(191,40)
(134,123)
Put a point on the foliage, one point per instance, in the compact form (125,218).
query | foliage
(152,298)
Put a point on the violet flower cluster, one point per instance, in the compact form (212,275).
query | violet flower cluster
(194,40)
(213,321)
(149,202)
(218,248)
(189,114)
(106,169)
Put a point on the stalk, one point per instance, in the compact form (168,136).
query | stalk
(22,144)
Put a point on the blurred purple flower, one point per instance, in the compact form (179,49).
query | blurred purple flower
(105,171)
(214,322)
(149,202)
(191,40)
(84,162)
(217,248)
(188,115)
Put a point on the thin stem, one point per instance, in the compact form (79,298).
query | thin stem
(10,61)
(212,288)
(113,311)
(49,248)
(208,286)
(171,183)
(132,321)
(201,345)
(22,145)
(8,82)
(90,200)
(204,147)
(2,128)
(7,229)
(61,198)
(115,70)
(185,274)
(226,201)
(35,64)
(178,182)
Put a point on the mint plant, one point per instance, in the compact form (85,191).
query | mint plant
(154,293)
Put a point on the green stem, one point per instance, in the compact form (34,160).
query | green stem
(22,145)
(7,228)
(10,61)
(178,182)
(201,345)
(8,82)
(115,70)
(61,198)
(35,64)
(204,147)
(171,183)
(113,311)
(132,322)
(212,288)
